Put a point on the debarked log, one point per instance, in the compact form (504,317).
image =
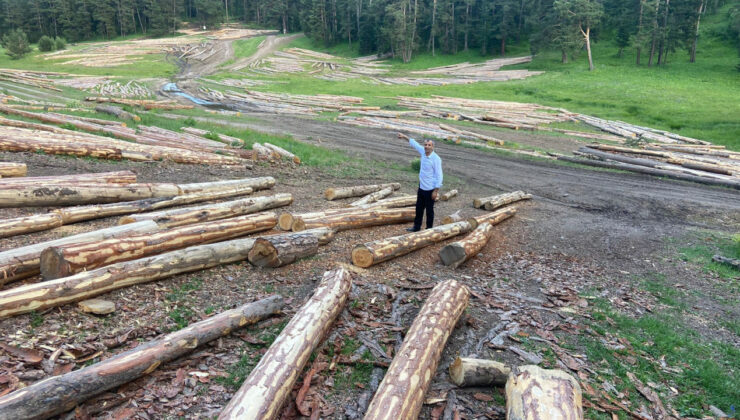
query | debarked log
(460,251)
(64,195)
(9,144)
(283,249)
(536,393)
(116,111)
(465,372)
(264,392)
(449,194)
(65,260)
(401,393)
(118,177)
(61,393)
(12,169)
(356,191)
(19,263)
(371,253)
(355,220)
(500,200)
(373,197)
(27,224)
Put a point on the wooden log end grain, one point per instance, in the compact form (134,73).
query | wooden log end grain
(452,253)
(53,265)
(285,221)
(362,256)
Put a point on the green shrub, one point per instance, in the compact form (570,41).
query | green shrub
(46,44)
(416,164)
(16,44)
(60,43)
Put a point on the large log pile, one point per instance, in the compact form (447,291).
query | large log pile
(536,393)
(62,393)
(356,191)
(264,392)
(19,263)
(65,260)
(371,253)
(460,251)
(401,393)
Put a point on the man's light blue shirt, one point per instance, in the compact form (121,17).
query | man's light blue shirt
(430,173)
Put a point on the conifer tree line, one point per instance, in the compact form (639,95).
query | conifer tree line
(652,29)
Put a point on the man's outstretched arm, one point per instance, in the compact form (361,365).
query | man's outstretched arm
(419,148)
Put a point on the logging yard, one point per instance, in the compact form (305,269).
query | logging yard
(213,225)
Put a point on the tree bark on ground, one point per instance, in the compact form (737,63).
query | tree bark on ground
(58,394)
(265,391)
(469,372)
(401,393)
(356,191)
(533,392)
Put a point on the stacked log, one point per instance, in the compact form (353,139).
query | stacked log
(500,200)
(356,191)
(401,393)
(19,263)
(372,197)
(258,183)
(371,253)
(283,153)
(354,220)
(279,250)
(118,177)
(117,112)
(211,212)
(144,103)
(264,152)
(65,260)
(534,393)
(264,392)
(229,140)
(393,202)
(460,251)
(81,193)
(62,393)
(470,372)
(12,169)
(28,224)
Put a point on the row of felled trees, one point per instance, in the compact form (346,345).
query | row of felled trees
(653,28)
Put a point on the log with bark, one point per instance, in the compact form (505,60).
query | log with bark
(393,202)
(210,212)
(265,152)
(61,393)
(401,393)
(65,260)
(19,263)
(231,141)
(371,253)
(12,169)
(460,251)
(265,391)
(73,149)
(356,191)
(495,201)
(452,218)
(117,112)
(280,250)
(355,220)
(732,262)
(470,372)
(79,193)
(258,183)
(449,194)
(283,153)
(118,177)
(536,393)
(373,197)
(27,224)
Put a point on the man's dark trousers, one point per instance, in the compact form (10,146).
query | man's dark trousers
(424,202)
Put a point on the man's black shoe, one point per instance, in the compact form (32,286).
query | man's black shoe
(412,230)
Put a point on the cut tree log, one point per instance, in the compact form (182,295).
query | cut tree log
(64,195)
(116,111)
(393,202)
(460,251)
(371,253)
(495,216)
(449,194)
(58,394)
(65,260)
(27,224)
(265,152)
(284,153)
(355,220)
(280,250)
(12,169)
(725,260)
(210,212)
(469,372)
(265,391)
(19,263)
(119,177)
(373,197)
(231,141)
(259,183)
(452,218)
(56,148)
(536,393)
(401,393)
(356,191)
(500,200)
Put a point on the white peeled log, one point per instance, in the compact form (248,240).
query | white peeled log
(284,153)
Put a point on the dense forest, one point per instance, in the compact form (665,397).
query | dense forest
(653,28)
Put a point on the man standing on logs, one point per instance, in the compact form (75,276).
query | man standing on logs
(430,181)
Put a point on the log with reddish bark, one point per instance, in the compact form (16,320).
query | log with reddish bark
(8,144)
(467,372)
(500,200)
(460,251)
(356,191)
(401,393)
(12,169)
(19,263)
(79,193)
(371,253)
(265,391)
(65,260)
(118,177)
(61,393)
(536,393)
(27,224)
(210,212)
(355,219)
(449,194)
(283,153)
(280,250)
(373,197)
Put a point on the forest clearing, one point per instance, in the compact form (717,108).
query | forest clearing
(214,225)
